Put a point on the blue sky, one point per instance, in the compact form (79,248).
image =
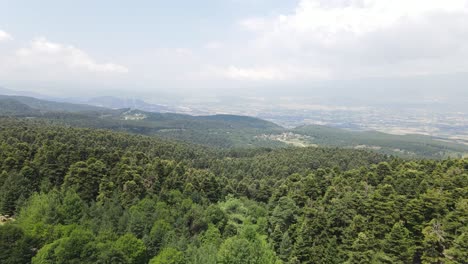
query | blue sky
(226,45)
(94,25)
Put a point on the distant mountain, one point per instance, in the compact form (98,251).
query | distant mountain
(111,102)
(244,121)
(184,121)
(118,103)
(50,106)
(6,91)
(11,107)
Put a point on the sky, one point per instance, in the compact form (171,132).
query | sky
(152,47)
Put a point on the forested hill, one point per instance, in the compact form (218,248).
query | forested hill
(226,131)
(405,145)
(76,195)
(48,106)
(13,107)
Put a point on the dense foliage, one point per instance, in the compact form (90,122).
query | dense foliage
(94,196)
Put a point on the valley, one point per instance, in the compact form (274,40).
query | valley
(230,131)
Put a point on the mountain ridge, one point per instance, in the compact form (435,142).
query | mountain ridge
(226,130)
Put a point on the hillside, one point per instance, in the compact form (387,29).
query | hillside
(224,131)
(51,106)
(404,145)
(13,107)
(118,103)
(78,195)
(227,131)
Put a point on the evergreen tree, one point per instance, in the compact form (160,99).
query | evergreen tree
(458,253)
(433,244)
(399,245)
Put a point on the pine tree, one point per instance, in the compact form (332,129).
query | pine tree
(398,244)
(458,253)
(285,248)
(433,244)
(362,249)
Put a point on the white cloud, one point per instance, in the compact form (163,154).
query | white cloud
(42,53)
(213,45)
(268,73)
(361,16)
(362,38)
(237,73)
(254,23)
(4,36)
(316,40)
